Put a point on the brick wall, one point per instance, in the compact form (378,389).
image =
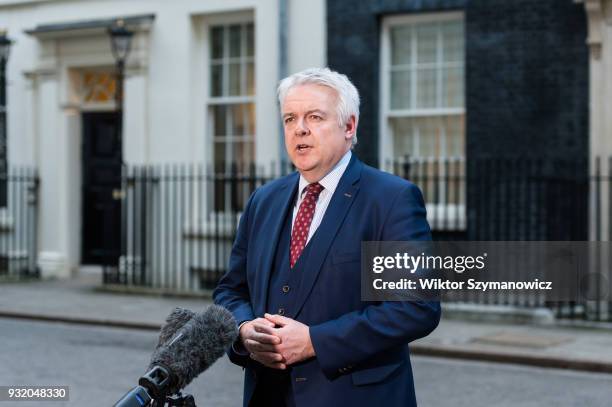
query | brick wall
(526,88)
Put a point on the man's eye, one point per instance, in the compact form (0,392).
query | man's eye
(315,117)
(288,119)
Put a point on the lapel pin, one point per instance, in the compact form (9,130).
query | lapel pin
(346,194)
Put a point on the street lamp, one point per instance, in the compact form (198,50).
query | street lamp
(121,40)
(5,46)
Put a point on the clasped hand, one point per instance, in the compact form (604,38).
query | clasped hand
(276,341)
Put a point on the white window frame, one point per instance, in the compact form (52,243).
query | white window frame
(239,18)
(202,137)
(229,101)
(441,216)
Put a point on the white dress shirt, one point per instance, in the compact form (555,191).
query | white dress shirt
(329,183)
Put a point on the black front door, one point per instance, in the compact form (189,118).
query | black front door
(101,185)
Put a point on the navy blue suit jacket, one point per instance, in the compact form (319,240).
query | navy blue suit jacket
(361,347)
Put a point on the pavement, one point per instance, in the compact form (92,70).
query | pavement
(82,300)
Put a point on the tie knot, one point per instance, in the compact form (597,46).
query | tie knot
(314,190)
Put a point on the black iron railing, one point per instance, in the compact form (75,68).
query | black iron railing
(179,221)
(18,225)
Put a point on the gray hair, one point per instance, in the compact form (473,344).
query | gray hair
(348,96)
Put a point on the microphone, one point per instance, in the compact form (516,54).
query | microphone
(196,346)
(175,321)
(193,347)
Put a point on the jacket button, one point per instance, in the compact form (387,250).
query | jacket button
(285,288)
(281,311)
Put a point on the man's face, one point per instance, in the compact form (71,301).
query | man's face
(314,140)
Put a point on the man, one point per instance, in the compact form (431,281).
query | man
(293,284)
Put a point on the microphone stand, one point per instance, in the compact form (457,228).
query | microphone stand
(156,381)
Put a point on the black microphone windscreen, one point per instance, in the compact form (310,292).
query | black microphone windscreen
(175,321)
(196,346)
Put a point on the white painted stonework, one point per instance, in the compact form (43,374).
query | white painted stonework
(599,17)
(165,91)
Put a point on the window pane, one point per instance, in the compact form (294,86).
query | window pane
(452,87)
(250,43)
(250,78)
(400,45)
(400,90)
(453,41)
(216,80)
(426,42)
(219,158)
(455,141)
(250,110)
(216,40)
(403,138)
(244,153)
(234,79)
(234,41)
(238,120)
(429,130)
(242,157)
(219,115)
(426,88)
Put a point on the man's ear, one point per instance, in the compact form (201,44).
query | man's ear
(350,127)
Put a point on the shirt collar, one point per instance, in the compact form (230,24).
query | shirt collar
(331,180)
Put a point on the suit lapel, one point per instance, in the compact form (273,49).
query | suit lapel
(277,215)
(341,201)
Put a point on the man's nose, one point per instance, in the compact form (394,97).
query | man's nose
(301,129)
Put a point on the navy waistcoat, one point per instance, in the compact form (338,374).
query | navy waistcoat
(285,281)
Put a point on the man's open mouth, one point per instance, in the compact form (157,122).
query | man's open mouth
(302,147)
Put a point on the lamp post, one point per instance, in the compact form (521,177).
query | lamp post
(5,46)
(121,41)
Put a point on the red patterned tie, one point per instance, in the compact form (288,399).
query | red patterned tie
(302,222)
